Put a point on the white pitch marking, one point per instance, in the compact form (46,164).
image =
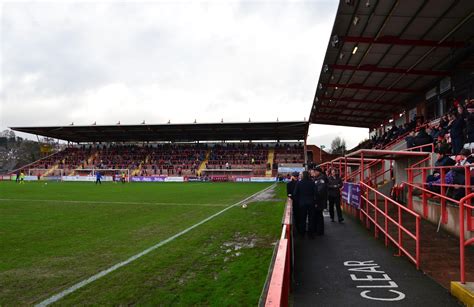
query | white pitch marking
(93,278)
(108,202)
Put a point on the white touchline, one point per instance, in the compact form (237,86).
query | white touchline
(93,278)
(108,202)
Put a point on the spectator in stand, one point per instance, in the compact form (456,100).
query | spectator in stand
(470,125)
(423,138)
(432,179)
(459,174)
(456,131)
(443,158)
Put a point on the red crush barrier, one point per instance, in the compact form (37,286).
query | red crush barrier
(464,207)
(371,211)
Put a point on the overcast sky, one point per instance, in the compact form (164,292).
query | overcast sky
(111,61)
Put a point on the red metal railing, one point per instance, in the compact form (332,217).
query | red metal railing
(280,281)
(372,211)
(421,147)
(442,195)
(464,207)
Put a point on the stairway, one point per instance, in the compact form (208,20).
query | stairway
(270,160)
(204,162)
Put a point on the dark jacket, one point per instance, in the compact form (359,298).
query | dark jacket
(321,197)
(290,188)
(470,128)
(423,138)
(304,192)
(334,186)
(445,161)
(457,128)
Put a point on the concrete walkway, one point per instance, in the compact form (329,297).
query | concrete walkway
(348,267)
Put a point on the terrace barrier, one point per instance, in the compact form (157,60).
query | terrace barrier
(465,209)
(382,219)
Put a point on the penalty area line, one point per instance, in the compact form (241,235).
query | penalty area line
(60,295)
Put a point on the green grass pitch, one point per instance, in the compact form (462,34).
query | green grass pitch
(53,236)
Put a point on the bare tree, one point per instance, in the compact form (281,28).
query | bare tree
(338,146)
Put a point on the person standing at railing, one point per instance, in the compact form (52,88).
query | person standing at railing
(305,191)
(321,199)
(456,131)
(470,126)
(290,189)
(334,195)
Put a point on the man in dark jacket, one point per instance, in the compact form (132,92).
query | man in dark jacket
(456,131)
(290,189)
(304,194)
(321,199)
(423,138)
(470,123)
(334,195)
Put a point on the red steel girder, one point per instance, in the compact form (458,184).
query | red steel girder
(374,68)
(394,40)
(370,88)
(349,99)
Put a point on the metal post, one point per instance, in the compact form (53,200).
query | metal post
(399,231)
(386,222)
(423,194)
(417,242)
(410,189)
(461,241)
(444,215)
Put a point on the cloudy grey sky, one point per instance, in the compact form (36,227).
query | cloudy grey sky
(106,61)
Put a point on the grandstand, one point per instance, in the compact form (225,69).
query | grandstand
(218,151)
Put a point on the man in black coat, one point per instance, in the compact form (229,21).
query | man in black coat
(290,189)
(304,195)
(321,199)
(423,138)
(334,195)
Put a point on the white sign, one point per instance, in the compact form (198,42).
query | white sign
(262,179)
(174,179)
(85,178)
(370,276)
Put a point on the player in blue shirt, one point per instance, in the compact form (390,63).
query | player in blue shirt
(98,176)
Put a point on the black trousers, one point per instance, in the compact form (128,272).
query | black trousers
(98,181)
(318,221)
(335,201)
(304,212)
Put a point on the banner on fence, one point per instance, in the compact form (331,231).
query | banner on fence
(85,178)
(148,179)
(262,179)
(351,194)
(174,179)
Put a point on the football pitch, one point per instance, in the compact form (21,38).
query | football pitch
(174,243)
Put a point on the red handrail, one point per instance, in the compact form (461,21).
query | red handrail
(364,210)
(463,205)
(421,147)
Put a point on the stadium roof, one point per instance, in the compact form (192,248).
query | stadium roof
(382,55)
(174,132)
